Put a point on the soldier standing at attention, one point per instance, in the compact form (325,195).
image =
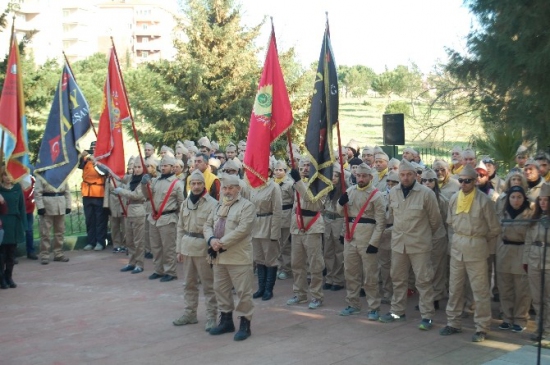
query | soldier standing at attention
(287,195)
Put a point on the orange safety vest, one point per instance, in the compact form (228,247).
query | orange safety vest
(93,184)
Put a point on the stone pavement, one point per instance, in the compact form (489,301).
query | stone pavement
(87,312)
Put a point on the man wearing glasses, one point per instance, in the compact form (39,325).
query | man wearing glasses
(447,185)
(476,228)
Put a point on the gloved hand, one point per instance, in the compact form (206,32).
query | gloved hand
(146,179)
(341,239)
(117,190)
(525,267)
(295,175)
(372,249)
(107,211)
(68,211)
(41,211)
(344,199)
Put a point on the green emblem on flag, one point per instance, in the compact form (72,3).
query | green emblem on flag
(262,105)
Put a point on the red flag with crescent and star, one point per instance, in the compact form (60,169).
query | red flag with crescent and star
(271,117)
(109,149)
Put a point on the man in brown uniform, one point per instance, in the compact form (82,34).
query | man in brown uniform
(366,222)
(192,250)
(228,231)
(447,184)
(416,218)
(167,196)
(287,195)
(52,206)
(474,221)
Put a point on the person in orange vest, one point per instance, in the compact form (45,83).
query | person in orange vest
(93,191)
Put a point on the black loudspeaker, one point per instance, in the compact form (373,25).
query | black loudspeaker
(393,128)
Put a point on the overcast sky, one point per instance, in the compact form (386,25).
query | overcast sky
(367,32)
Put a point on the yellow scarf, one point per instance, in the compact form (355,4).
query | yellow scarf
(278,181)
(464,202)
(382,173)
(365,188)
(305,179)
(346,165)
(456,170)
(547,176)
(441,184)
(209,179)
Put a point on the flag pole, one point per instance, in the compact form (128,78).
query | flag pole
(342,179)
(150,193)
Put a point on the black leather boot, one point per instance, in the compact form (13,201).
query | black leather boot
(244,330)
(3,283)
(261,270)
(226,324)
(9,280)
(271,277)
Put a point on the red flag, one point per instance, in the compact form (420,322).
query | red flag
(109,149)
(271,117)
(13,122)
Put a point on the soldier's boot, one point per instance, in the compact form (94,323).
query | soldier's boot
(226,324)
(261,270)
(3,283)
(244,330)
(7,275)
(271,277)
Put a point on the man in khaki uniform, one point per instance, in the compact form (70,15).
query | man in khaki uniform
(116,212)
(381,163)
(192,250)
(287,196)
(168,196)
(474,221)
(416,218)
(233,167)
(307,228)
(366,222)
(228,231)
(534,179)
(265,235)
(447,184)
(52,206)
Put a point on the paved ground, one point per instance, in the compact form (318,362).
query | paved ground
(87,312)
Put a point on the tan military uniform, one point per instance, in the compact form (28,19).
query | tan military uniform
(473,240)
(267,225)
(361,269)
(333,250)
(55,202)
(439,252)
(192,244)
(233,268)
(384,255)
(533,193)
(382,182)
(116,218)
(498,184)
(415,220)
(449,188)
(162,232)
(532,256)
(287,195)
(515,297)
(307,246)
(135,224)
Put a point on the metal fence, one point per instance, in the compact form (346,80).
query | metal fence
(429,155)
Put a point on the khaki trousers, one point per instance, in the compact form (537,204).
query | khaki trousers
(117,231)
(400,272)
(135,231)
(534,284)
(46,224)
(307,251)
(439,264)
(333,252)
(515,297)
(358,265)
(476,273)
(239,277)
(265,251)
(284,249)
(195,269)
(163,247)
(384,267)
(146,240)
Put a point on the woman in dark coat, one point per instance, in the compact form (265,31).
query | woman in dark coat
(14,220)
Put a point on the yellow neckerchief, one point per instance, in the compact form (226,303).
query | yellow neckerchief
(547,176)
(346,165)
(382,173)
(209,179)
(456,170)
(464,202)
(305,179)
(446,180)
(365,188)
(278,181)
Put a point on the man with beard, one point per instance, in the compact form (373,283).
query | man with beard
(457,161)
(192,251)
(228,231)
(447,185)
(167,192)
(368,156)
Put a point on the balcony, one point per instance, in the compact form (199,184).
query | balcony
(147,31)
(147,46)
(30,7)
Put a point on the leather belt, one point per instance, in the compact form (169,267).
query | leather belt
(362,220)
(332,215)
(506,242)
(264,214)
(308,213)
(53,194)
(193,234)
(538,244)
(389,225)
(169,212)
(287,206)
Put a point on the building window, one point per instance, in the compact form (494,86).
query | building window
(144,27)
(145,40)
(144,54)
(66,12)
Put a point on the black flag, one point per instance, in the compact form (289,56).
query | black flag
(323,116)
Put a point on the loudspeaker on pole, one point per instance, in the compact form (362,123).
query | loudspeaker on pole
(393,129)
